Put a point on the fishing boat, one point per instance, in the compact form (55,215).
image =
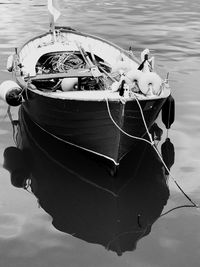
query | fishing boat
(86,91)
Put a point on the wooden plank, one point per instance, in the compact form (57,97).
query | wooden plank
(70,74)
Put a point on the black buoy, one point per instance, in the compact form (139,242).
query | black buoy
(168,154)
(168,112)
(14,97)
(11,93)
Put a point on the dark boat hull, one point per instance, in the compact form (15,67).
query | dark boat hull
(65,185)
(87,124)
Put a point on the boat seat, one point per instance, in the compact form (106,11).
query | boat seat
(72,73)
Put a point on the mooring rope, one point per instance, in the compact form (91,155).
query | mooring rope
(151,142)
(67,168)
(121,130)
(176,208)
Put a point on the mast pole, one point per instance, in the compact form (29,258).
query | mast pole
(54,14)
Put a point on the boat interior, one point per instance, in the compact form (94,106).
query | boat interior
(69,61)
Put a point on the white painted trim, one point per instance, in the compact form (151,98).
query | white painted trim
(98,95)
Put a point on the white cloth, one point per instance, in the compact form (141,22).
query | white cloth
(53,11)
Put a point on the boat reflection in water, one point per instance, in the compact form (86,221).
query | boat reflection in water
(83,199)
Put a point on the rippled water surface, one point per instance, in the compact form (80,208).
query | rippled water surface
(35,235)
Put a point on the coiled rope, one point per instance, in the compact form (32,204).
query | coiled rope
(151,142)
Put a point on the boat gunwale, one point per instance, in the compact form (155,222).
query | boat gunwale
(63,29)
(97,95)
(66,95)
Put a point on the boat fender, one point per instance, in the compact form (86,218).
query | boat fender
(147,63)
(134,75)
(150,83)
(11,93)
(68,84)
(168,112)
(145,54)
(10,63)
(121,66)
(132,78)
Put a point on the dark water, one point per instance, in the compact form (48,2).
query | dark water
(33,236)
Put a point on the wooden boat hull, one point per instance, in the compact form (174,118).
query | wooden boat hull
(88,125)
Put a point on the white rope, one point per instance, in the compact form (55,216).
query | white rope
(144,121)
(174,180)
(151,143)
(73,144)
(65,167)
(121,130)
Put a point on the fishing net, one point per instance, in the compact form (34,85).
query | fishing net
(62,63)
